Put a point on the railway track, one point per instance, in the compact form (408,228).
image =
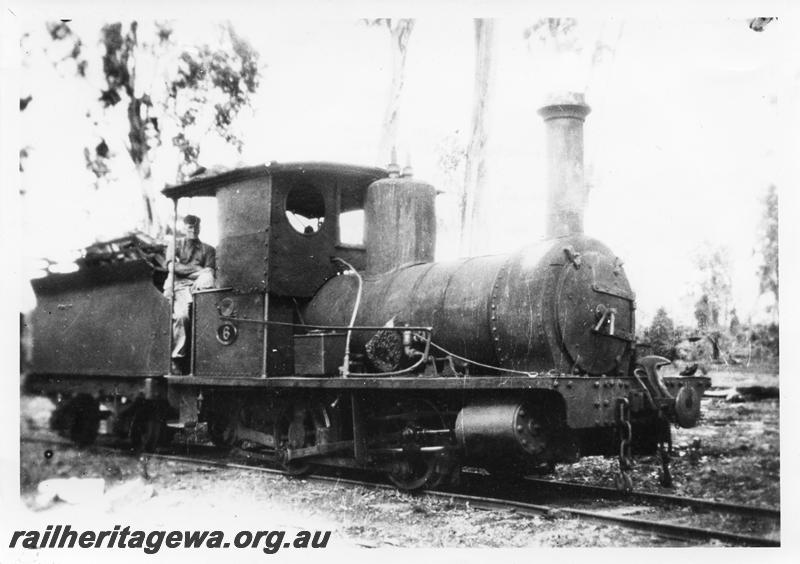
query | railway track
(656,498)
(572,499)
(526,496)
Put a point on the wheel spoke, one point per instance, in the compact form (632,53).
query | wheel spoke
(408,429)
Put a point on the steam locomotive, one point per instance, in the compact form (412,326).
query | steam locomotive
(313,351)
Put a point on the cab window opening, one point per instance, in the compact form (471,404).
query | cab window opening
(351,227)
(305,209)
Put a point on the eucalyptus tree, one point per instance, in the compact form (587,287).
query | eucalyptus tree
(399,36)
(157,88)
(768,247)
(474,190)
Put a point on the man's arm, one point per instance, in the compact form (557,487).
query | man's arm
(187,270)
(211,258)
(192,271)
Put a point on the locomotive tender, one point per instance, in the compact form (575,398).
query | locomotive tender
(318,352)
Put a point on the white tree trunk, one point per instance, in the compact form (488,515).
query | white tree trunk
(474,190)
(400,32)
(153,221)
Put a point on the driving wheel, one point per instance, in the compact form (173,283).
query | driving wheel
(417,438)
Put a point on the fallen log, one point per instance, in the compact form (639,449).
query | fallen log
(744,393)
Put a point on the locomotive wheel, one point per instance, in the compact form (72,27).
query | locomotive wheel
(222,430)
(296,469)
(82,419)
(147,428)
(413,468)
(299,426)
(414,472)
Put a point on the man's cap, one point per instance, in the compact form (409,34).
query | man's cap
(191,220)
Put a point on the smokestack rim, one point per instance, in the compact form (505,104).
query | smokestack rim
(564,111)
(569,105)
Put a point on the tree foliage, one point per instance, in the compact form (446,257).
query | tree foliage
(160,88)
(765,341)
(564,35)
(768,270)
(24,102)
(702,312)
(558,33)
(450,157)
(568,37)
(661,334)
(713,306)
(735,325)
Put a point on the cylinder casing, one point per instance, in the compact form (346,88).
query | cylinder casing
(492,430)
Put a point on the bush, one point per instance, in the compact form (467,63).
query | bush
(764,341)
(661,335)
(739,343)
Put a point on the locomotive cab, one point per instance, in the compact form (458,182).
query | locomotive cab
(280,229)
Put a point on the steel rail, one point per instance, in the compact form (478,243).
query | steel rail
(651,497)
(669,530)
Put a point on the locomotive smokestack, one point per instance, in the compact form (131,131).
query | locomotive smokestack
(566,189)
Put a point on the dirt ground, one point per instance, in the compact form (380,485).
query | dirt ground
(732,455)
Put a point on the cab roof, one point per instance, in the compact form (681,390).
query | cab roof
(358,177)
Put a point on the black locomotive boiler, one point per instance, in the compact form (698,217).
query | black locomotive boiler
(313,351)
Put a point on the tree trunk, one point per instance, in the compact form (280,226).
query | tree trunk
(474,190)
(715,350)
(152,220)
(400,31)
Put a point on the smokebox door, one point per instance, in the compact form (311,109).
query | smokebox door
(594,313)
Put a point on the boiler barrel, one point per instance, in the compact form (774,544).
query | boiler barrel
(459,299)
(546,307)
(452,297)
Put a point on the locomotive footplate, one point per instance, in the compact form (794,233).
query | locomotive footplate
(578,392)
